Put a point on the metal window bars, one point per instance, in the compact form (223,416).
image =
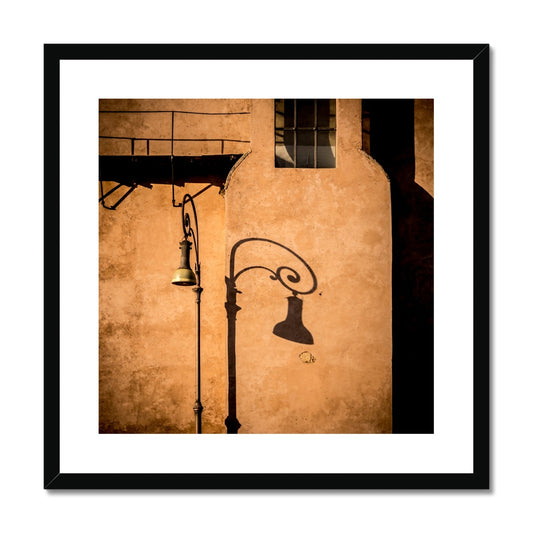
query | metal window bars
(292,124)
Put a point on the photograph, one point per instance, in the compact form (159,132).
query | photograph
(304,228)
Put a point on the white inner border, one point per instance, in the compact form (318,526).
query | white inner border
(449,450)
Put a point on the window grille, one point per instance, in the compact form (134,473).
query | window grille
(305,133)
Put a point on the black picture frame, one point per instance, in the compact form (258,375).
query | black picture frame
(479,55)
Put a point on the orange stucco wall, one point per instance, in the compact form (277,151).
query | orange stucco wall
(336,220)
(147,325)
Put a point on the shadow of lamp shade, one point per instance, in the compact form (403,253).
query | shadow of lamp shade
(292,327)
(184,275)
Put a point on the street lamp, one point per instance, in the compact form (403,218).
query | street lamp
(184,276)
(291,328)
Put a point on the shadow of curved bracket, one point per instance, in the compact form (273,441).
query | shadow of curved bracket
(291,328)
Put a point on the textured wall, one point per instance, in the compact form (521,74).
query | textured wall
(147,325)
(147,342)
(198,128)
(337,220)
(424,144)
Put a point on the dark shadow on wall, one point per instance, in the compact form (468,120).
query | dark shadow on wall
(291,328)
(388,136)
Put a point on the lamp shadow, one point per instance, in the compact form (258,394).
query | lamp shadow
(291,328)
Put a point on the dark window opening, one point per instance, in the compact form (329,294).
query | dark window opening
(305,133)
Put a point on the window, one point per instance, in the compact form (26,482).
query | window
(305,133)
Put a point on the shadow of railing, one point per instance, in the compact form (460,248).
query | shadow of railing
(138,163)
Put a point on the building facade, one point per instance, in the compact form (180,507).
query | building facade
(295,239)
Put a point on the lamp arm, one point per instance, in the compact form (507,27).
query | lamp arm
(189,231)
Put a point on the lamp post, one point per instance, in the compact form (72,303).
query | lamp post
(291,328)
(184,276)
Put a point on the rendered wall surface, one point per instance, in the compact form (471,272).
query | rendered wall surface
(424,144)
(147,325)
(198,127)
(336,220)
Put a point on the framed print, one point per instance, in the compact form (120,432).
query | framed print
(266,266)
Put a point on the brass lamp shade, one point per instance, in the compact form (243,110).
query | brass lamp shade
(184,274)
